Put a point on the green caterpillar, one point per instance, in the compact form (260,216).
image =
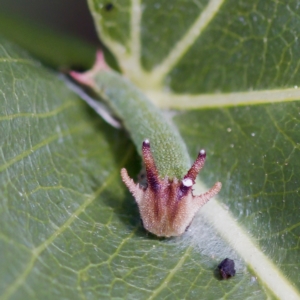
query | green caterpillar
(167,205)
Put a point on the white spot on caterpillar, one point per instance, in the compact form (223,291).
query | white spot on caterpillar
(202,152)
(187,182)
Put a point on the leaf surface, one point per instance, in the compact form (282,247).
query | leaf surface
(69,227)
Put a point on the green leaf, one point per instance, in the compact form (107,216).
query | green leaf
(60,184)
(69,228)
(254,151)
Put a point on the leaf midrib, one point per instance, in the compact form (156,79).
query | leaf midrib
(198,101)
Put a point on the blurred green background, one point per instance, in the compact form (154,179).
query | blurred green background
(55,14)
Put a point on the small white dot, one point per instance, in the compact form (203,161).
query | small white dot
(146,141)
(253,134)
(187,182)
(228,129)
(202,152)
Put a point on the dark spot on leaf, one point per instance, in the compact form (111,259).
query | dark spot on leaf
(109,6)
(226,268)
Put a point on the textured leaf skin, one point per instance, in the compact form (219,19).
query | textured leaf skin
(172,26)
(51,167)
(249,45)
(255,152)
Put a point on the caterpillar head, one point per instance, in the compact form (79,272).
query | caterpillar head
(168,206)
